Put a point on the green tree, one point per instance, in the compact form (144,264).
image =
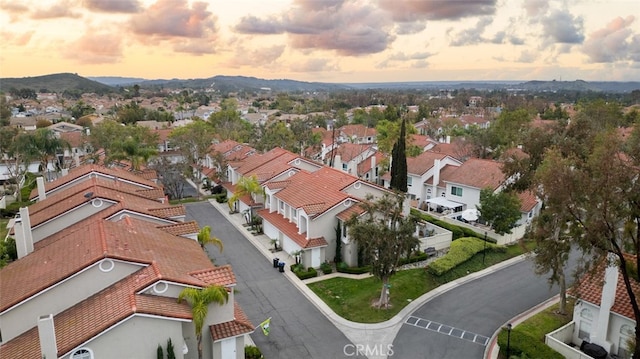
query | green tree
(399,162)
(5,111)
(80,108)
(383,235)
(46,146)
(229,125)
(205,237)
(501,210)
(193,141)
(276,134)
(199,300)
(131,113)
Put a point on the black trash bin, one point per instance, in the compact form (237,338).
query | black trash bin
(275,262)
(281,267)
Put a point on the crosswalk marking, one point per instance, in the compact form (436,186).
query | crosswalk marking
(447,330)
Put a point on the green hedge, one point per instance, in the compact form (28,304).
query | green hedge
(457,231)
(220,198)
(414,258)
(309,273)
(342,268)
(461,251)
(326,268)
(522,342)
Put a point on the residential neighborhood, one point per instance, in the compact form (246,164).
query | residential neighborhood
(105,198)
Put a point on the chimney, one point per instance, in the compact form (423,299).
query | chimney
(606,302)
(65,171)
(337,163)
(47,334)
(435,178)
(42,194)
(24,237)
(448,139)
(373,167)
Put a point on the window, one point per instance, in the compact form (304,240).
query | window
(584,332)
(344,166)
(82,353)
(376,171)
(409,181)
(456,191)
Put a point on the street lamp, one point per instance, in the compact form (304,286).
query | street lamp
(484,250)
(509,326)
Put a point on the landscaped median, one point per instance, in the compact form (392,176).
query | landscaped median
(352,298)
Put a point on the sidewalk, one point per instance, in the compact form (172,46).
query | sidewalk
(375,334)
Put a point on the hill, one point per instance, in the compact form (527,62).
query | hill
(117,80)
(64,82)
(243,83)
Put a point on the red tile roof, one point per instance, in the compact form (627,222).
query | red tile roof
(349,212)
(358,131)
(251,164)
(528,201)
(365,166)
(290,230)
(349,151)
(423,162)
(477,173)
(238,326)
(590,286)
(181,228)
(222,275)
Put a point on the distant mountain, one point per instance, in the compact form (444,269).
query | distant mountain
(55,83)
(117,80)
(238,83)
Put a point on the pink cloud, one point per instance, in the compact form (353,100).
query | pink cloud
(95,48)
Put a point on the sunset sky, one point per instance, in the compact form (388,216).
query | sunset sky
(324,40)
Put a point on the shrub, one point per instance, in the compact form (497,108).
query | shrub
(341,265)
(461,251)
(309,273)
(421,256)
(297,268)
(457,231)
(252,352)
(326,268)
(159,352)
(221,198)
(354,270)
(171,354)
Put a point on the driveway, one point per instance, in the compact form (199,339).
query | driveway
(298,328)
(458,323)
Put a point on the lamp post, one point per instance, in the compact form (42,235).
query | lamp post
(509,326)
(484,249)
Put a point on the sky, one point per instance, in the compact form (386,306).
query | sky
(340,41)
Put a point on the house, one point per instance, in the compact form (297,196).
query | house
(422,168)
(222,153)
(359,134)
(102,282)
(603,314)
(371,167)
(303,211)
(347,156)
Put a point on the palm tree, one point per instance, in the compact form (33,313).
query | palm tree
(246,186)
(204,238)
(46,145)
(199,300)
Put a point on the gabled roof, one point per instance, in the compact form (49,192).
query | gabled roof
(181,228)
(365,165)
(358,130)
(350,211)
(317,191)
(477,173)
(423,162)
(83,244)
(88,171)
(238,326)
(232,150)
(590,288)
(528,201)
(250,164)
(349,151)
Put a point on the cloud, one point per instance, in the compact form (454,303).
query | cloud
(412,10)
(19,39)
(414,60)
(315,65)
(13,7)
(401,56)
(527,56)
(113,6)
(407,28)
(535,8)
(57,10)
(562,27)
(254,25)
(615,42)
(255,57)
(472,36)
(95,48)
(174,18)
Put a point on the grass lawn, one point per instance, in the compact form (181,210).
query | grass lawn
(528,336)
(3,227)
(352,298)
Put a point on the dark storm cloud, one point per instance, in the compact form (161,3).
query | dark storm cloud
(412,10)
(562,27)
(472,36)
(254,25)
(615,42)
(174,18)
(113,6)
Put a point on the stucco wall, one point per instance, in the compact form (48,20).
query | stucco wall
(63,296)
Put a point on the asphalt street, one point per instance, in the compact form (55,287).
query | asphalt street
(298,328)
(456,323)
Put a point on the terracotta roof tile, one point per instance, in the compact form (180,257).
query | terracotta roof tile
(221,275)
(528,201)
(169,212)
(589,289)
(251,164)
(477,173)
(422,163)
(239,326)
(365,166)
(290,230)
(349,212)
(181,228)
(349,151)
(358,130)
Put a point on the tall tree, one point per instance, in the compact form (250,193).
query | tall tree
(501,210)
(399,162)
(46,145)
(193,141)
(136,145)
(384,235)
(199,300)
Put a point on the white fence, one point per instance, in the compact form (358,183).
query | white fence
(558,339)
